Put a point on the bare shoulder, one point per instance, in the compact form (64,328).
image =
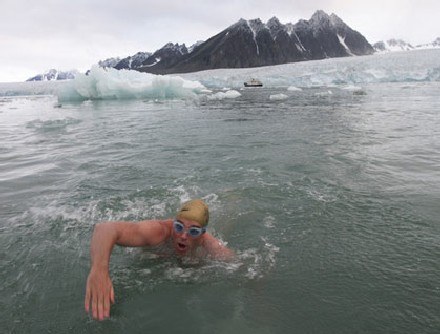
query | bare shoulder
(143,233)
(155,231)
(216,248)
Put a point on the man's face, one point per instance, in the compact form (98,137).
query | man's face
(183,241)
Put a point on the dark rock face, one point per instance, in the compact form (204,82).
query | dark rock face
(166,57)
(251,43)
(380,46)
(132,62)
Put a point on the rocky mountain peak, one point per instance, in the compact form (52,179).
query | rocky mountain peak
(240,24)
(336,21)
(273,22)
(175,48)
(320,19)
(275,27)
(256,25)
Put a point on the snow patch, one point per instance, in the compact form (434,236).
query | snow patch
(299,46)
(255,35)
(158,59)
(342,41)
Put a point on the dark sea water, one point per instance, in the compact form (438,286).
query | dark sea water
(329,195)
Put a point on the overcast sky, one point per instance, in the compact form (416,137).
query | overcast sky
(74,34)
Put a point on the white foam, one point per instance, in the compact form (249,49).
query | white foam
(269,222)
(294,89)
(257,262)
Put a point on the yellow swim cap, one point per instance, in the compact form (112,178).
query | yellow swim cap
(195,210)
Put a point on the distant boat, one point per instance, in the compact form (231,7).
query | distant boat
(253,83)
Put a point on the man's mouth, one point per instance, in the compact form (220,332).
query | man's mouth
(181,246)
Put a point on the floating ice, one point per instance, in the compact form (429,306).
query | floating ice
(355,90)
(51,125)
(113,84)
(230,94)
(294,89)
(278,97)
(352,88)
(324,93)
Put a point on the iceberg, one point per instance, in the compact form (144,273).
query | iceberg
(100,84)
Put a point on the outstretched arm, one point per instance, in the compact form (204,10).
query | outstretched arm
(99,289)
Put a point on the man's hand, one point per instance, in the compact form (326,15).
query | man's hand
(99,293)
(99,290)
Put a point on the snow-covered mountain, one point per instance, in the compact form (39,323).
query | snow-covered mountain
(394,44)
(434,45)
(132,62)
(109,62)
(165,55)
(54,74)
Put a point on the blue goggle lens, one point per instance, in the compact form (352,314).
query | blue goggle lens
(178,227)
(192,231)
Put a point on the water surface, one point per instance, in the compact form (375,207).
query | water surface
(329,197)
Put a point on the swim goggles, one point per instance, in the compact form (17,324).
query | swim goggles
(193,231)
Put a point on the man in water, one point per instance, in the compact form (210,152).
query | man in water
(185,236)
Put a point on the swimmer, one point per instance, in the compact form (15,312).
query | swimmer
(185,236)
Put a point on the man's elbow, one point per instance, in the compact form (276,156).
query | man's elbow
(100,228)
(105,229)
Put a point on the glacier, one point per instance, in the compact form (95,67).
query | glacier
(420,65)
(350,73)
